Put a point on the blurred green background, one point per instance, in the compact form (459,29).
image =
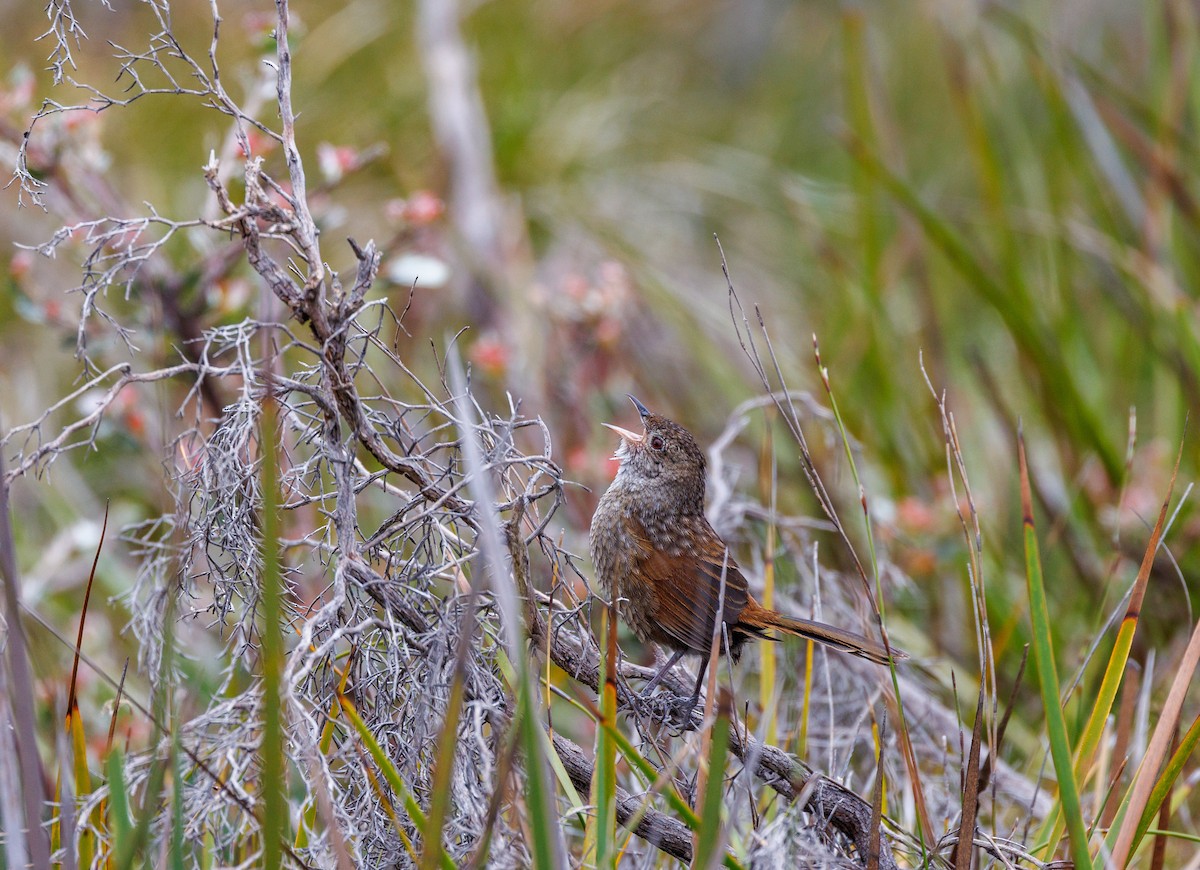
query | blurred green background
(1005,191)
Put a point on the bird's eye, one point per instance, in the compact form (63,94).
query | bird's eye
(656,443)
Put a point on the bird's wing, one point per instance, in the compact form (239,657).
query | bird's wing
(688,586)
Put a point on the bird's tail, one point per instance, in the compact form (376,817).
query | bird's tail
(759,618)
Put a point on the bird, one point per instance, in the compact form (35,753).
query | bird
(656,554)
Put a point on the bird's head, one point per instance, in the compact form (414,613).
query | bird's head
(663,460)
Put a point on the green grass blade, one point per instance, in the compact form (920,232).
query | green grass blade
(1074,412)
(130,837)
(560,772)
(604,783)
(139,836)
(1115,669)
(389,810)
(648,771)
(120,820)
(709,837)
(1043,658)
(539,798)
(391,774)
(443,767)
(548,846)
(659,781)
(309,818)
(1166,779)
(1148,775)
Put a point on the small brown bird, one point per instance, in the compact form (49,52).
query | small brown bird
(655,552)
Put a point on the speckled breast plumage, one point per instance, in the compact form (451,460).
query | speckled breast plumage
(614,551)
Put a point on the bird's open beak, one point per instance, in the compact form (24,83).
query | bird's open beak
(633,439)
(641,409)
(626,435)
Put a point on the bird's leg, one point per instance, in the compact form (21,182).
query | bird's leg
(695,699)
(662,672)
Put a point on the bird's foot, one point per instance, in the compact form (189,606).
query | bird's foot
(679,712)
(685,709)
(686,712)
(651,704)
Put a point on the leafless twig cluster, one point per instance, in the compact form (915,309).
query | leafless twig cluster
(376,604)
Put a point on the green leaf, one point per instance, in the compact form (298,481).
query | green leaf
(1043,658)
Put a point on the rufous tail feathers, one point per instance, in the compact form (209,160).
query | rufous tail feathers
(758,617)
